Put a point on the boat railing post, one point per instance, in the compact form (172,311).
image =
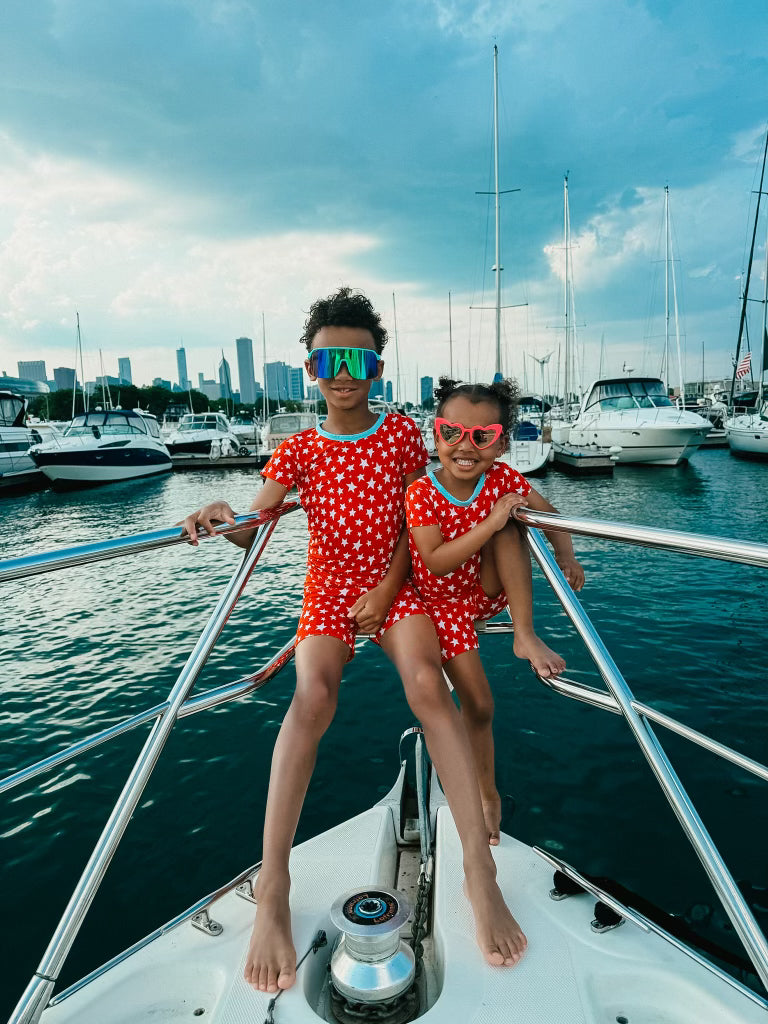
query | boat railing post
(726,888)
(39,989)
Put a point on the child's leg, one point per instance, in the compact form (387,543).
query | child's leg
(412,645)
(469,680)
(506,565)
(271,962)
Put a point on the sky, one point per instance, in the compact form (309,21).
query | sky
(182,172)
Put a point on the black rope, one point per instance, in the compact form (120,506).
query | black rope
(318,942)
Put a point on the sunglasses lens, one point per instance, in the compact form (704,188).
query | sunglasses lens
(482,438)
(360,363)
(451,433)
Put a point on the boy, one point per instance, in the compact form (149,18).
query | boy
(351,474)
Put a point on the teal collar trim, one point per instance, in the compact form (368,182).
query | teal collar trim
(450,497)
(353,437)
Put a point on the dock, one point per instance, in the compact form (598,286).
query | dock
(584,460)
(188,462)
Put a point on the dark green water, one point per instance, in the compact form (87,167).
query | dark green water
(86,648)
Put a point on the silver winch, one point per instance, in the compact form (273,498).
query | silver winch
(371,963)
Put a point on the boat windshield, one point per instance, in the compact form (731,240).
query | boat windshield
(199,423)
(105,423)
(291,423)
(629,394)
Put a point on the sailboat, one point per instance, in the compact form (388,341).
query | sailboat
(748,433)
(529,452)
(635,413)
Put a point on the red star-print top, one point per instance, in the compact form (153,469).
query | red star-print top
(427,503)
(352,489)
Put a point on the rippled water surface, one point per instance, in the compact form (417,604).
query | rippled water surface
(84,648)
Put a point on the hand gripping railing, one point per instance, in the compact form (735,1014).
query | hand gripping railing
(726,888)
(37,993)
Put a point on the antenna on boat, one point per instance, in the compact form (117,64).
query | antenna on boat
(106,395)
(670,266)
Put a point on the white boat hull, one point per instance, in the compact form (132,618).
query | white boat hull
(529,457)
(93,474)
(662,444)
(748,437)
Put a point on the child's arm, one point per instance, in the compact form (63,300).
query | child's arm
(206,518)
(561,543)
(443,556)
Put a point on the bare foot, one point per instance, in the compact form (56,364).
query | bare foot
(544,660)
(499,936)
(492,815)
(271,961)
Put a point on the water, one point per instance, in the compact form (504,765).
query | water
(87,647)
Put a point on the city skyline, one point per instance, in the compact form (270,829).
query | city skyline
(184,174)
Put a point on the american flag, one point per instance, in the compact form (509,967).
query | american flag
(743,368)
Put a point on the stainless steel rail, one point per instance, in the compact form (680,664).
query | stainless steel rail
(38,992)
(600,699)
(202,702)
(728,892)
(722,548)
(99,551)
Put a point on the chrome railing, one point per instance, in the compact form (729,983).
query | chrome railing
(38,992)
(178,704)
(623,699)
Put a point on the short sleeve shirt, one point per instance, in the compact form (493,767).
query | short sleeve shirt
(429,504)
(352,489)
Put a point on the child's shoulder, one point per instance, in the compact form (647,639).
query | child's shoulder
(400,423)
(502,472)
(420,485)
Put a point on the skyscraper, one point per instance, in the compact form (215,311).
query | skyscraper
(389,390)
(33,369)
(377,389)
(245,372)
(296,383)
(278,377)
(427,388)
(123,370)
(64,376)
(181,366)
(225,380)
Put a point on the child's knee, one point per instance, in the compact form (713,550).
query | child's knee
(426,690)
(478,709)
(314,702)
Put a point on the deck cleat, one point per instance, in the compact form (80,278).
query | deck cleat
(371,964)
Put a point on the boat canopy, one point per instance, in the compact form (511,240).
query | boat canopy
(12,409)
(622,393)
(291,422)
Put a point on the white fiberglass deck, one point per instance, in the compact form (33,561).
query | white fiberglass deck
(569,975)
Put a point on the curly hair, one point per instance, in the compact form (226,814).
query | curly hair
(505,393)
(345,308)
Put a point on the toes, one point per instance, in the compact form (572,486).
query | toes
(494,957)
(261,982)
(286,977)
(494,839)
(272,979)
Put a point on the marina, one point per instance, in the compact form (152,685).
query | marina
(115,645)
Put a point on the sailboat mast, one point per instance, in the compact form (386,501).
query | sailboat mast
(397,351)
(567,303)
(497,267)
(764,332)
(743,317)
(265,393)
(450,337)
(77,346)
(666,282)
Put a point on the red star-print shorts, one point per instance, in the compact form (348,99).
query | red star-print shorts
(324,613)
(454,620)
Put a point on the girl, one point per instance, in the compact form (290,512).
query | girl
(470,561)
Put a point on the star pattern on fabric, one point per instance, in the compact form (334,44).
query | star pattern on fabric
(352,491)
(455,601)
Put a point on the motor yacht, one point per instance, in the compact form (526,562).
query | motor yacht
(197,431)
(748,433)
(103,447)
(636,415)
(286,424)
(17,470)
